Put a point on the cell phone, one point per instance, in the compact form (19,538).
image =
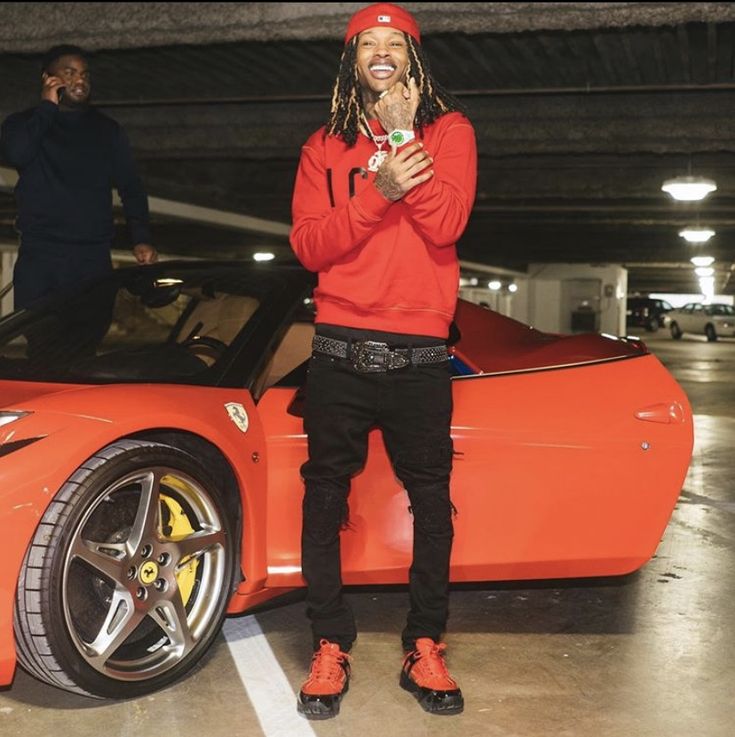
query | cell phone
(60,92)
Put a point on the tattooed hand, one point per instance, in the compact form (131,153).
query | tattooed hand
(396,109)
(403,171)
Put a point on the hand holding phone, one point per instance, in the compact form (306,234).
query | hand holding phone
(53,88)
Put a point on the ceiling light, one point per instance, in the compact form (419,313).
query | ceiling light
(704,271)
(494,285)
(688,189)
(696,235)
(264,256)
(512,287)
(702,260)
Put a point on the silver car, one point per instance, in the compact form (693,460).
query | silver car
(714,321)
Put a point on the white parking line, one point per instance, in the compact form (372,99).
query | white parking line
(268,688)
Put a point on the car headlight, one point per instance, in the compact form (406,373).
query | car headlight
(7,417)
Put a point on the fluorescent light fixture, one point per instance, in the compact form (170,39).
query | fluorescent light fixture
(494,285)
(264,256)
(513,288)
(696,235)
(473,282)
(688,189)
(679,300)
(704,271)
(702,260)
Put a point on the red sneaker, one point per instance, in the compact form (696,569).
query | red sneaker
(328,680)
(426,676)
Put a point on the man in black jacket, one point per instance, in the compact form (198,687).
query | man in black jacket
(69,156)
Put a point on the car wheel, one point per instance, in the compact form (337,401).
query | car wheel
(675,331)
(127,579)
(711,333)
(652,325)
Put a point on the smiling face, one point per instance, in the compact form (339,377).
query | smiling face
(382,59)
(73,70)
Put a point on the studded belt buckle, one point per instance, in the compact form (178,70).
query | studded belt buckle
(370,356)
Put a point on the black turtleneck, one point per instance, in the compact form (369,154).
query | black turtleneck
(68,162)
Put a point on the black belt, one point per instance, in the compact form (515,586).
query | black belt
(372,356)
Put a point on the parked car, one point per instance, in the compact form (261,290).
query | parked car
(713,321)
(150,446)
(648,313)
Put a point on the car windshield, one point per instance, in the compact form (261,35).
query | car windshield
(168,323)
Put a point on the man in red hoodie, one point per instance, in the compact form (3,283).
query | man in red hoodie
(382,194)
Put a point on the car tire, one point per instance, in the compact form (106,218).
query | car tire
(126,582)
(675,331)
(711,333)
(652,325)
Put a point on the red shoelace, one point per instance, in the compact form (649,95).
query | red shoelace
(430,665)
(327,675)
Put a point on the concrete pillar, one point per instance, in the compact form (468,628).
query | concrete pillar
(7,264)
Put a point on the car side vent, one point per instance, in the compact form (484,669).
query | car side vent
(667,414)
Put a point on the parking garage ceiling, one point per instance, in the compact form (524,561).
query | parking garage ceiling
(582,110)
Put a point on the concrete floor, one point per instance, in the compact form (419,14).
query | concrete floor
(650,655)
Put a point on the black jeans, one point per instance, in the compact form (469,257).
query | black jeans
(413,407)
(42,269)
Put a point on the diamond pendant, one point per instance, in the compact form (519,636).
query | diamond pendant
(376,160)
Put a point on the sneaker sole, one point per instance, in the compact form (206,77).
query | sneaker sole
(430,701)
(316,709)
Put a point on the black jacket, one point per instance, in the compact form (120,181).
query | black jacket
(68,162)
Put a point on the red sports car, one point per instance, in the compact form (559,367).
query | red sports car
(150,444)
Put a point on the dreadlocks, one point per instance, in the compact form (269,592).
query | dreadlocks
(347,108)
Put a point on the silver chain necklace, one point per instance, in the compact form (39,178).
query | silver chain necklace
(379,156)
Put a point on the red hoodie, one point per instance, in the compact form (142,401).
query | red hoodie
(387,266)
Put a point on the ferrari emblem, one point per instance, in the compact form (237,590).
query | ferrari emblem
(238,415)
(148,573)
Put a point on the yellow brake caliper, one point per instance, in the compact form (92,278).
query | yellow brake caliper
(180,528)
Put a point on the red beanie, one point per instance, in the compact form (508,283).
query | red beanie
(382,14)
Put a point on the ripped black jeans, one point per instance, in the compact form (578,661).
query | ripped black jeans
(413,408)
